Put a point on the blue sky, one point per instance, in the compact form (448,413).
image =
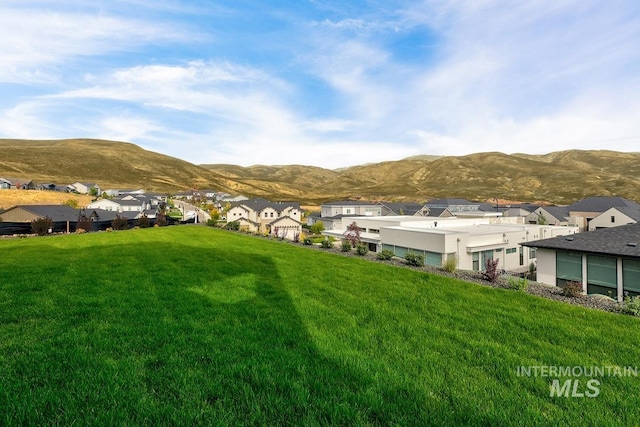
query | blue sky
(324,83)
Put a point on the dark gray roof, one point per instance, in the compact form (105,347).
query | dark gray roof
(559,212)
(450,202)
(491,207)
(55,212)
(407,208)
(437,211)
(261,204)
(349,203)
(601,204)
(606,241)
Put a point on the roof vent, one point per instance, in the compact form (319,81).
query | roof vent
(632,244)
(570,239)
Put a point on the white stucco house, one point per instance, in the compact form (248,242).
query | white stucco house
(615,217)
(471,240)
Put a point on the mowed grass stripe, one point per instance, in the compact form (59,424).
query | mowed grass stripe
(193,325)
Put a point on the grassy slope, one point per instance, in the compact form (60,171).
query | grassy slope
(9,198)
(191,325)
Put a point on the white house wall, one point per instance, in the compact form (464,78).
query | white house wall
(546,266)
(604,220)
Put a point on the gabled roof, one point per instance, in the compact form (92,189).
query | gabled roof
(55,212)
(617,241)
(602,203)
(349,203)
(283,218)
(258,205)
(406,208)
(559,212)
(450,202)
(634,214)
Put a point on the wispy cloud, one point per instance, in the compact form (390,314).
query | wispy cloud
(349,82)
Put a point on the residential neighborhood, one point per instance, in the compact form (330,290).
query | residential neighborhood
(520,238)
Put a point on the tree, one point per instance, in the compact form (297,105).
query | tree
(317,227)
(542,220)
(352,235)
(93,191)
(71,203)
(42,226)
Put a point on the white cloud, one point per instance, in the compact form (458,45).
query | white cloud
(34,39)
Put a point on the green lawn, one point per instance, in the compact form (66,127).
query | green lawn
(192,325)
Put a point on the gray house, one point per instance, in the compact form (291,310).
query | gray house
(605,261)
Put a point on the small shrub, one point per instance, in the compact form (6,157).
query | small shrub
(362,249)
(572,289)
(518,284)
(450,264)
(80,231)
(161,219)
(211,222)
(83,224)
(317,228)
(233,225)
(414,260)
(307,241)
(296,237)
(631,305)
(41,226)
(327,244)
(143,222)
(491,272)
(385,255)
(346,246)
(119,223)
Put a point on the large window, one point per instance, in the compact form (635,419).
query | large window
(602,277)
(568,267)
(631,276)
(433,259)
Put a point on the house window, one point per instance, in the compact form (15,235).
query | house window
(521,256)
(271,214)
(476,261)
(348,211)
(511,250)
(568,267)
(613,219)
(602,275)
(631,276)
(532,253)
(374,230)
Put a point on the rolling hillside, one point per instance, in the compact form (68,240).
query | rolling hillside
(559,177)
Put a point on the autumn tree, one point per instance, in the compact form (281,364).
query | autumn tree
(352,235)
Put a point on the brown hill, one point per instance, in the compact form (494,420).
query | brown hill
(560,177)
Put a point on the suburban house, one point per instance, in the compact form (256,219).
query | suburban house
(471,240)
(587,209)
(121,205)
(454,205)
(18,219)
(411,209)
(263,216)
(331,214)
(6,184)
(85,187)
(605,261)
(555,215)
(615,217)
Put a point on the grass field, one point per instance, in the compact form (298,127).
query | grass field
(191,325)
(10,198)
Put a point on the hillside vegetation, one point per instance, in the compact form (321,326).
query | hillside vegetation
(561,177)
(224,329)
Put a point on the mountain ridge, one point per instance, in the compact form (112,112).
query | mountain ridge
(560,177)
